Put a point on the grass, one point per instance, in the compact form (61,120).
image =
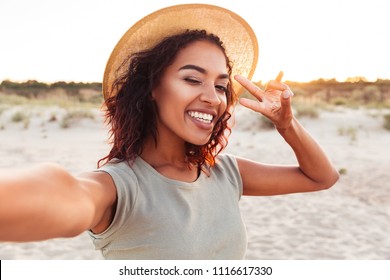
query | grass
(343,171)
(304,109)
(350,132)
(386,123)
(24,114)
(61,101)
(19,117)
(74,116)
(53,117)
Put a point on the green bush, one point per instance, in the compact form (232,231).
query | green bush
(386,123)
(74,116)
(19,117)
(306,110)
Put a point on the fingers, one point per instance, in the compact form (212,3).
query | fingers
(277,83)
(252,88)
(252,104)
(287,94)
(275,102)
(279,77)
(285,99)
(273,86)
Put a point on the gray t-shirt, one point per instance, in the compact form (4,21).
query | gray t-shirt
(162,218)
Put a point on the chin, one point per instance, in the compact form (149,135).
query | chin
(199,142)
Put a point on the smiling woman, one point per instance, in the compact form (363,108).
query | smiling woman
(166,190)
(183,75)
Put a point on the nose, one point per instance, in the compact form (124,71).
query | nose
(210,95)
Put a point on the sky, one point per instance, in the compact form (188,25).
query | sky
(71,40)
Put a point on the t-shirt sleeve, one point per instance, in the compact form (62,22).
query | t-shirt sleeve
(126,184)
(230,169)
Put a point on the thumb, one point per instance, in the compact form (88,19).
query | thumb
(285,97)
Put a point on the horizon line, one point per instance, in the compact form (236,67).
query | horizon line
(353,79)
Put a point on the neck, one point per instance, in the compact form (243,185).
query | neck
(164,152)
(169,159)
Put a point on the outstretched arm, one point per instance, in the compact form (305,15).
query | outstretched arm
(45,201)
(314,171)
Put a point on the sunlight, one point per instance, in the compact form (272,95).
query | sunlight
(308,40)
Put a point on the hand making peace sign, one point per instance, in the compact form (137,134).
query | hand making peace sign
(274,102)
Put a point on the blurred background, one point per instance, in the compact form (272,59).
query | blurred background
(335,56)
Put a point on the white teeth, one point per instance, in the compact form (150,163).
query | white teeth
(203,117)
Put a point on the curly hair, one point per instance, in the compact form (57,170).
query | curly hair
(132,114)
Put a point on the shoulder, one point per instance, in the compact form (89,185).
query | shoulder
(112,188)
(121,184)
(119,172)
(226,158)
(226,162)
(102,193)
(226,167)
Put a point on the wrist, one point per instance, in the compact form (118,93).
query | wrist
(290,126)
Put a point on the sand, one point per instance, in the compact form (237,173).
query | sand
(349,221)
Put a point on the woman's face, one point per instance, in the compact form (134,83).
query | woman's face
(191,95)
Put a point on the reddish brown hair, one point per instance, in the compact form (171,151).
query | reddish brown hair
(132,114)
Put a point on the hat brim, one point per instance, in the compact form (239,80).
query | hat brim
(238,37)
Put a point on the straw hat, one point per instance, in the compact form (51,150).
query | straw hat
(238,37)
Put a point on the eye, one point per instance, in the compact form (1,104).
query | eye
(222,89)
(192,81)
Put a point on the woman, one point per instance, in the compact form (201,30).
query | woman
(165,190)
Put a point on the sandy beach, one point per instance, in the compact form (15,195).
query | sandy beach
(349,221)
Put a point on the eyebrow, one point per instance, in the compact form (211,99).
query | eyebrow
(201,70)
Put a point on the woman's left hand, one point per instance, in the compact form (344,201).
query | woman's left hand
(274,102)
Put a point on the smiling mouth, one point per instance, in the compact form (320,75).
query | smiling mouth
(202,117)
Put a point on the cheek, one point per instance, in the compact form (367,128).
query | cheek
(223,105)
(170,104)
